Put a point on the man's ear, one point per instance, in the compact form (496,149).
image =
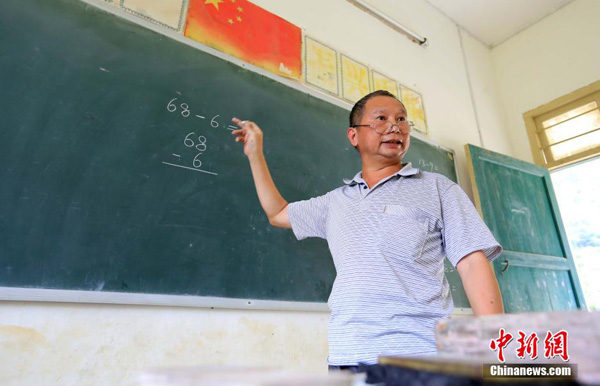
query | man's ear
(352,136)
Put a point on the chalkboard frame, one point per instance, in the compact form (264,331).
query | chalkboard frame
(99,297)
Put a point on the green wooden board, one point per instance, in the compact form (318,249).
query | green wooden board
(536,271)
(119,174)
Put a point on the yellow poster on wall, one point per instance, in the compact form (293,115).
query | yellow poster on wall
(167,13)
(382,82)
(414,107)
(321,66)
(355,79)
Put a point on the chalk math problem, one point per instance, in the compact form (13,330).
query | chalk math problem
(193,141)
(428,165)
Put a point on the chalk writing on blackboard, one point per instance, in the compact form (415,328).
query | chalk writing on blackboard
(192,140)
(428,165)
(189,168)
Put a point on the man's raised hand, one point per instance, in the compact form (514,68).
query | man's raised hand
(250,135)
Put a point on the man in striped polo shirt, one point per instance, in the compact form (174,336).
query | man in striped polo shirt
(389,229)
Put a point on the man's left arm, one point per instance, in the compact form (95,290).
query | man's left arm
(480,284)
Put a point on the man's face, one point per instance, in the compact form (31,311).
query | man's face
(387,147)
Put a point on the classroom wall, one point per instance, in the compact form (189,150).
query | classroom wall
(552,58)
(441,71)
(88,344)
(75,344)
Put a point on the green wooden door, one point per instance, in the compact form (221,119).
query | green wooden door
(536,271)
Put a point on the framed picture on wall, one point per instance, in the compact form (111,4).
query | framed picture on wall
(413,102)
(321,66)
(382,82)
(355,79)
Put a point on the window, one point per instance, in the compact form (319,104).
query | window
(577,189)
(567,129)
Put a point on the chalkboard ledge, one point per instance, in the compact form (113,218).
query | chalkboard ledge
(462,311)
(71,296)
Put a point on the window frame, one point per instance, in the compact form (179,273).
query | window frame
(534,118)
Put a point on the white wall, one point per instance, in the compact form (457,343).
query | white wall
(554,57)
(437,71)
(74,344)
(42,343)
(486,96)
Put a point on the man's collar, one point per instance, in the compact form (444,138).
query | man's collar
(406,171)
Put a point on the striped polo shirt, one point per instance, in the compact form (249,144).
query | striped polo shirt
(388,245)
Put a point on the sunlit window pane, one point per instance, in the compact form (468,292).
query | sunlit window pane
(574,127)
(577,190)
(569,114)
(576,145)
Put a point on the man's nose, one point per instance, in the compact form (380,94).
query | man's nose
(391,127)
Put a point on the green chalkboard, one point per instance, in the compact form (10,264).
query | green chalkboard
(118,172)
(513,196)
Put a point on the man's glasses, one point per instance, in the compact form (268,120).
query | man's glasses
(383,127)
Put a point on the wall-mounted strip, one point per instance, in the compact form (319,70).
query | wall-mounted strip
(422,41)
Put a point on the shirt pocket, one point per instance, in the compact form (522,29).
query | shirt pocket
(402,232)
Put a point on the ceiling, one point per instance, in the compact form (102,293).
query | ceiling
(494,21)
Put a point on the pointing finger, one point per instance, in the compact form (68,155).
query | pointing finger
(238,121)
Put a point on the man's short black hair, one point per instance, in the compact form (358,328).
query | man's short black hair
(359,107)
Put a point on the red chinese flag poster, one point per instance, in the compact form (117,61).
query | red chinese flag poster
(244,30)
